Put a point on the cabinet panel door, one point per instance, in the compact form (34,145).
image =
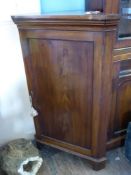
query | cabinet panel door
(62,88)
(121,100)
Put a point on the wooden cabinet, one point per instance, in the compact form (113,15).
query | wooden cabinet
(121,97)
(120,113)
(78,71)
(79,78)
(68,62)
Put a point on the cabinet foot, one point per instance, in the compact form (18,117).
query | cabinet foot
(98,165)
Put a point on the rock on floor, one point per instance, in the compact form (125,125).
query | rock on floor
(19,157)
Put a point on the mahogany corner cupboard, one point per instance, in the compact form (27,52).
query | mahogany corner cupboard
(79,78)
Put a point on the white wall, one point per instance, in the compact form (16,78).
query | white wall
(15,115)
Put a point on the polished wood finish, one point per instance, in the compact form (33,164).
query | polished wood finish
(121,86)
(109,7)
(121,82)
(121,96)
(68,62)
(79,77)
(66,80)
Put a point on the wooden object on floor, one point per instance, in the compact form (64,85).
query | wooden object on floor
(68,61)
(120,113)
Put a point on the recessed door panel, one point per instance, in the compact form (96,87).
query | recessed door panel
(62,88)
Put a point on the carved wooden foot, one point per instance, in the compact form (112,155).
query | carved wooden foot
(98,165)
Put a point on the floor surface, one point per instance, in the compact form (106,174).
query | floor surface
(56,162)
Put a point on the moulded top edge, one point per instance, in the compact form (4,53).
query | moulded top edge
(70,17)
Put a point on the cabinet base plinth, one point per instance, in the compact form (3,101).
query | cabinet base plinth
(96,164)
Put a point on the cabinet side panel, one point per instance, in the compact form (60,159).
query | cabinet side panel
(62,88)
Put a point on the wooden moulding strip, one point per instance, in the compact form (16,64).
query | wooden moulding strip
(122,54)
(69,148)
(119,141)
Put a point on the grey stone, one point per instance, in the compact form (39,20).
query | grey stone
(19,157)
